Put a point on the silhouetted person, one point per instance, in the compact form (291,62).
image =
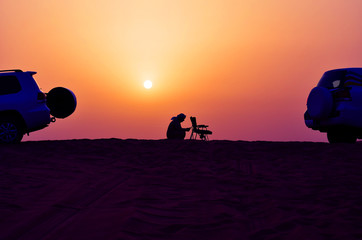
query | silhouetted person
(175,131)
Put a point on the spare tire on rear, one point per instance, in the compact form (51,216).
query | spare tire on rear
(320,103)
(61,102)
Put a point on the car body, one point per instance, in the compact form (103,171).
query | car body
(24,108)
(334,106)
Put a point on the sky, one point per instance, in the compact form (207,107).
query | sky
(245,68)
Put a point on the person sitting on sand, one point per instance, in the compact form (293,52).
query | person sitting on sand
(174,130)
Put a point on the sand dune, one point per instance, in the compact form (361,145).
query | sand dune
(159,189)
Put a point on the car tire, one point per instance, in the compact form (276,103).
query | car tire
(61,102)
(320,103)
(11,130)
(341,135)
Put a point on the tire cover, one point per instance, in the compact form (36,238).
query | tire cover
(61,102)
(320,103)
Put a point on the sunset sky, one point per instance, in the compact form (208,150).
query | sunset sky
(245,68)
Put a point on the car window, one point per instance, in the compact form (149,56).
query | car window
(9,85)
(332,79)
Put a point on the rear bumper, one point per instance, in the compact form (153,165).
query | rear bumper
(38,118)
(322,125)
(343,115)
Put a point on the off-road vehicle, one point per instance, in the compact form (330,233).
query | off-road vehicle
(334,106)
(24,108)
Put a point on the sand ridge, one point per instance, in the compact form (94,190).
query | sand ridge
(161,189)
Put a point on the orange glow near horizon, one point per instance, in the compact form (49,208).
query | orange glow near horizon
(245,68)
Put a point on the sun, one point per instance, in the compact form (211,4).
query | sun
(147,84)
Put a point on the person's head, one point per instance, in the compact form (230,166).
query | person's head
(181,117)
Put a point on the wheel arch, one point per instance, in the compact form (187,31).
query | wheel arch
(15,114)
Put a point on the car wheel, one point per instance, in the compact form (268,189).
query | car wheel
(61,102)
(10,131)
(341,135)
(320,103)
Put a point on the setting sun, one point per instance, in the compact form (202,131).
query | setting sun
(147,84)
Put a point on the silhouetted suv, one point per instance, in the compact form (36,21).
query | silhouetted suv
(335,105)
(24,108)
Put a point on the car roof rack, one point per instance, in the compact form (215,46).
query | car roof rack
(11,70)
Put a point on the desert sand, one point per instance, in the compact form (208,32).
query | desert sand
(160,189)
